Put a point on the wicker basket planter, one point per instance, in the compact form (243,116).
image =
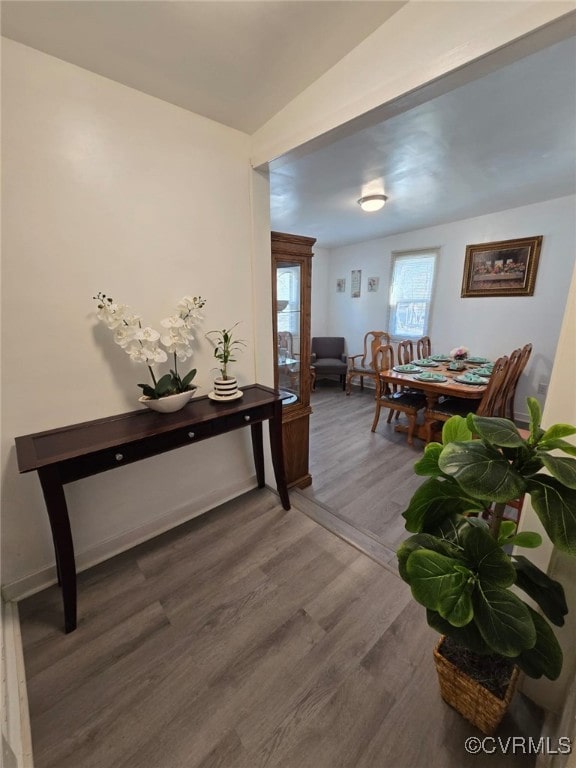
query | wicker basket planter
(469,698)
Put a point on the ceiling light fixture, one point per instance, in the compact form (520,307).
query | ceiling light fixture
(372,202)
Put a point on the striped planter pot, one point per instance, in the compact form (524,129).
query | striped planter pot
(225,387)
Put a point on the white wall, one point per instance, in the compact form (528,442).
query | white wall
(319,295)
(105,188)
(488,326)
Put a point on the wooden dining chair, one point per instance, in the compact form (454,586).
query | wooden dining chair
(286,342)
(363,364)
(423,347)
(405,351)
(500,407)
(291,362)
(408,403)
(514,378)
(488,405)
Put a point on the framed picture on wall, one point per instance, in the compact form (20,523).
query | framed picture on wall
(502,268)
(355,283)
(373,284)
(340,285)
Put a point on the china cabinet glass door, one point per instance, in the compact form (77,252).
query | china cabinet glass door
(289,327)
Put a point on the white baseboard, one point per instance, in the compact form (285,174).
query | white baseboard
(46,577)
(16,735)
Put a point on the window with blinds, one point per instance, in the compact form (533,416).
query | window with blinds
(411,293)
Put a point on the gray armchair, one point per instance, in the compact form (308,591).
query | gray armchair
(329,357)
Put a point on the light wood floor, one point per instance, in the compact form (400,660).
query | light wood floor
(365,478)
(249,637)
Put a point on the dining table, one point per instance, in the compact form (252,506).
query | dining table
(434,390)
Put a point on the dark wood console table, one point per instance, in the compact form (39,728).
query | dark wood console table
(71,453)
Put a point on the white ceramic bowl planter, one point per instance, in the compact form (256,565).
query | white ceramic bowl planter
(167,404)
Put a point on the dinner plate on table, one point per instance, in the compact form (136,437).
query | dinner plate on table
(440,358)
(426,363)
(470,378)
(431,377)
(479,360)
(408,368)
(485,372)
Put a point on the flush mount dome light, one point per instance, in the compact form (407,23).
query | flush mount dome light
(372,202)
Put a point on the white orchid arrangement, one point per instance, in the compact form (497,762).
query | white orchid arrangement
(146,345)
(459,353)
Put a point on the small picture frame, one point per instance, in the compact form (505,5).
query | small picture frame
(502,268)
(355,283)
(341,285)
(373,284)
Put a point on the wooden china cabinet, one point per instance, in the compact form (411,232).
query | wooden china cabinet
(291,285)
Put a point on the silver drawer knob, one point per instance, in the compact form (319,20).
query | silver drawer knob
(191,435)
(246,418)
(119,456)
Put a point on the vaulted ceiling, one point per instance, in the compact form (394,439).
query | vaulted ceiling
(235,62)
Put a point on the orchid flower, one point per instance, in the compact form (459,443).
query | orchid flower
(144,344)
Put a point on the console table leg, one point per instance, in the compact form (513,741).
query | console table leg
(275,427)
(62,536)
(258,451)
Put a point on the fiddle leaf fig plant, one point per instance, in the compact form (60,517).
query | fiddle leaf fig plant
(461,567)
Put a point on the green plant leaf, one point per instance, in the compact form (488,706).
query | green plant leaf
(164,385)
(548,593)
(428,464)
(526,539)
(478,522)
(555,505)
(503,621)
(496,431)
(485,558)
(481,471)
(468,636)
(443,584)
(545,657)
(561,468)
(557,431)
(535,419)
(188,378)
(423,541)
(455,429)
(435,501)
(148,391)
(563,445)
(507,530)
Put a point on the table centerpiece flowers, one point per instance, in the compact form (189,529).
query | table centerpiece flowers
(459,353)
(146,345)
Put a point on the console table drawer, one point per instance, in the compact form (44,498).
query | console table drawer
(102,461)
(252,416)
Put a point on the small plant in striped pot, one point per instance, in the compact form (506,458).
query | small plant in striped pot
(226,346)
